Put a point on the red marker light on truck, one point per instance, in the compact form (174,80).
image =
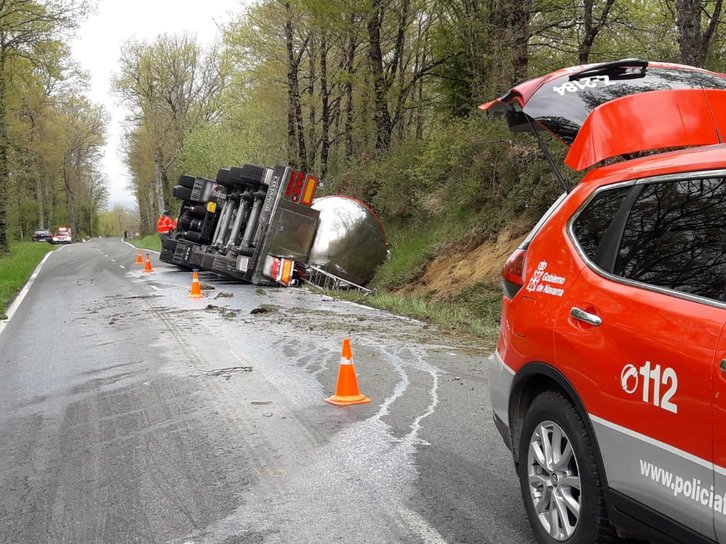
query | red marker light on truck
(293,184)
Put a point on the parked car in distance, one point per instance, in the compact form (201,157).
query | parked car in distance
(62,235)
(42,235)
(608,382)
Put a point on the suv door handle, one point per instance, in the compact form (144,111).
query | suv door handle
(586,317)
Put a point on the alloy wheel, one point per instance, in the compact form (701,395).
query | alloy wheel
(554,480)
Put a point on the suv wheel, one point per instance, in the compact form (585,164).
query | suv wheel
(559,477)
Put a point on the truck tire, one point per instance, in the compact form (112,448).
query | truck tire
(559,475)
(223,177)
(187,181)
(182,193)
(247,174)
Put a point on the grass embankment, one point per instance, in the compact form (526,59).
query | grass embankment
(16,267)
(152,242)
(474,309)
(480,318)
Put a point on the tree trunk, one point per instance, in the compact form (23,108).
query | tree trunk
(375,57)
(312,137)
(291,131)
(399,67)
(325,111)
(70,201)
(4,173)
(294,92)
(592,27)
(693,43)
(519,24)
(158,185)
(348,91)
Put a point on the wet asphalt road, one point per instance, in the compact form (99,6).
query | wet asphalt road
(131,413)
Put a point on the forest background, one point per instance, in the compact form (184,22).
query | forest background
(377,97)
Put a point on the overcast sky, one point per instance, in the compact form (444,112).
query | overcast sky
(97,49)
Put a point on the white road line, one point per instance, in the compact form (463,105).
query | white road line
(19,299)
(420,526)
(238,358)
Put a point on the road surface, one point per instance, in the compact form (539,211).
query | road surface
(132,413)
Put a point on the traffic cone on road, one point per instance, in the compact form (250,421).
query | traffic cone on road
(139,259)
(196,291)
(148,268)
(346,390)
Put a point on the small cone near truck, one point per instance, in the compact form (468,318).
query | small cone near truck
(148,268)
(196,291)
(346,390)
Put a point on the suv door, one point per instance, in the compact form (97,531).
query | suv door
(719,440)
(638,334)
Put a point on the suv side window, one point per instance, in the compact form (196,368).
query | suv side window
(675,237)
(591,226)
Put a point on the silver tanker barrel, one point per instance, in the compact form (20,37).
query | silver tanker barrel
(350,242)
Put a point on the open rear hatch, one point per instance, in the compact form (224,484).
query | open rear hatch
(619,108)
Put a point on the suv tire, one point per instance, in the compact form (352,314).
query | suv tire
(567,488)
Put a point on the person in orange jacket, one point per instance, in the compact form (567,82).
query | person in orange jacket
(163,225)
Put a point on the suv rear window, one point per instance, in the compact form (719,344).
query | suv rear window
(675,237)
(594,221)
(668,234)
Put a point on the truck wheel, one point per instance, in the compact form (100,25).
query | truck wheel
(182,193)
(559,477)
(187,181)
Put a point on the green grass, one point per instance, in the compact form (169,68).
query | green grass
(152,242)
(475,311)
(16,267)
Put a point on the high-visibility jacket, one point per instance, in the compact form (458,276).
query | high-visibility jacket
(163,225)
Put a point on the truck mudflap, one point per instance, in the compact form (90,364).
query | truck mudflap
(223,264)
(168,248)
(180,252)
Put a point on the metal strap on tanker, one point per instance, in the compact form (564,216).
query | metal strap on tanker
(325,280)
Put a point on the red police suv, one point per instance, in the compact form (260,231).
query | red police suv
(609,378)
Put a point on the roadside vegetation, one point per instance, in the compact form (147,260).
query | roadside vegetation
(474,312)
(16,267)
(152,242)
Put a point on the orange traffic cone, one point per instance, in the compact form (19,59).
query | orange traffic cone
(148,268)
(139,259)
(196,291)
(346,391)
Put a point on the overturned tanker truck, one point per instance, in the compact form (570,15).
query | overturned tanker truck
(261,225)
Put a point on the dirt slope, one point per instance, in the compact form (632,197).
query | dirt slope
(462,266)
